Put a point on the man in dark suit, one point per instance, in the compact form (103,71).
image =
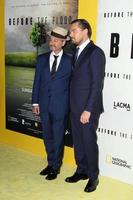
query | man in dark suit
(86,103)
(50,99)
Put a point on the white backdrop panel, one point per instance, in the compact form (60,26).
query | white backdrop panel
(115,132)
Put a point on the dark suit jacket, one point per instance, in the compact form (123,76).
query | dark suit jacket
(87,81)
(52,94)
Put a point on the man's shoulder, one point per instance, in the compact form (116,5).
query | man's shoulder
(67,55)
(43,56)
(96,49)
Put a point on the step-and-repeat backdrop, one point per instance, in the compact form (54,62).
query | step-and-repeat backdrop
(115,36)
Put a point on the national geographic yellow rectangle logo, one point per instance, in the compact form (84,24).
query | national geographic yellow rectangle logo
(117,161)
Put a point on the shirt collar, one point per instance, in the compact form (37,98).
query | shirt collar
(84,44)
(59,54)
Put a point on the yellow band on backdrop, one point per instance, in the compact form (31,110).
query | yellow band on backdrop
(87,10)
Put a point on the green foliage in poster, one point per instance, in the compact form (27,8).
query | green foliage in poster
(38,35)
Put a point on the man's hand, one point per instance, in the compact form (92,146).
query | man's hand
(36,110)
(85,117)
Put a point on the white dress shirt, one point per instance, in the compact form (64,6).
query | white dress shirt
(51,60)
(82,46)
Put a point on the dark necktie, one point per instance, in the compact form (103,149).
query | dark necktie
(53,70)
(76,54)
(75,57)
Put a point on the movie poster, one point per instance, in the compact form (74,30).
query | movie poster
(21,23)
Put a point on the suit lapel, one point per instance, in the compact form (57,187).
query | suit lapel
(60,67)
(47,66)
(86,52)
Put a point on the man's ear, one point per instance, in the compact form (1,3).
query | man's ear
(86,31)
(64,42)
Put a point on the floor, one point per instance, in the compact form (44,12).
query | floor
(20,180)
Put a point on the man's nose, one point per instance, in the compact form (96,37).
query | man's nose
(51,42)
